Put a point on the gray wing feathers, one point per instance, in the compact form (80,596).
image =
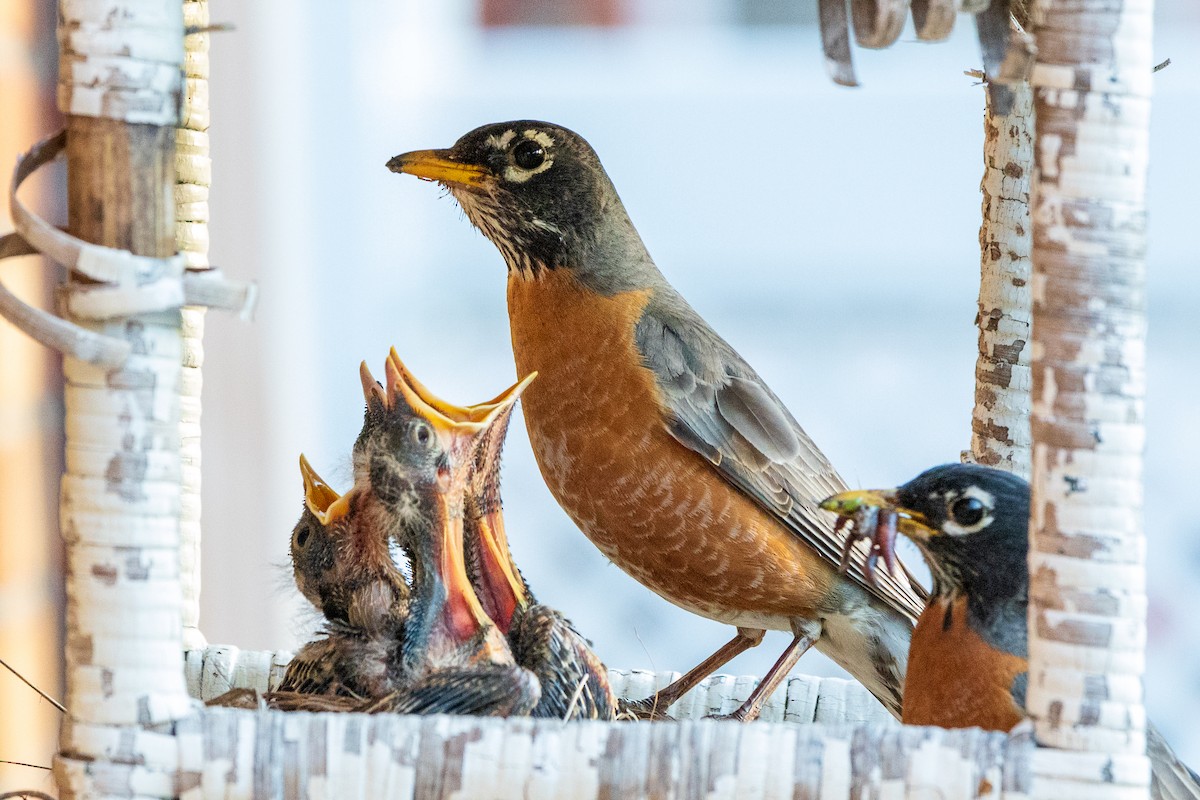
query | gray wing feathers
(757,416)
(1170,778)
(723,411)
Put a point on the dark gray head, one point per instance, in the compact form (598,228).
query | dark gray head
(537,190)
(972,524)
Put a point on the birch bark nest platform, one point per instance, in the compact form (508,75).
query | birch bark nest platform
(819,738)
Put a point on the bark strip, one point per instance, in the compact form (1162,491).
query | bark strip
(1000,422)
(1087,594)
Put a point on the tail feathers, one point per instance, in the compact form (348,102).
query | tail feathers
(1170,778)
(496,691)
(871,643)
(574,681)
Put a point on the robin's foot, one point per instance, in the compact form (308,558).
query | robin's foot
(741,715)
(649,709)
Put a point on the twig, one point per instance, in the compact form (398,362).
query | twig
(1162,66)
(216,27)
(650,658)
(25,681)
(22,764)
(576,698)
(27,793)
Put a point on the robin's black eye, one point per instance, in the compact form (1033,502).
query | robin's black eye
(967,511)
(302,536)
(528,154)
(421,434)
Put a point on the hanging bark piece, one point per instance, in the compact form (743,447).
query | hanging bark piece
(1000,423)
(934,19)
(878,23)
(993,28)
(835,41)
(1087,595)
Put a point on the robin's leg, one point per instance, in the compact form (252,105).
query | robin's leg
(655,706)
(806,636)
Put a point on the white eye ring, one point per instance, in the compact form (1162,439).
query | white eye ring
(969,512)
(515,173)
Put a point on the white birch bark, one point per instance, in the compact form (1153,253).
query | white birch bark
(232,753)
(1087,596)
(193,175)
(120,501)
(1000,422)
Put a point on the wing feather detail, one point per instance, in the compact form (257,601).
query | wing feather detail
(721,409)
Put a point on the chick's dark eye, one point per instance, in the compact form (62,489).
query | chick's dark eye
(528,154)
(967,511)
(302,536)
(421,434)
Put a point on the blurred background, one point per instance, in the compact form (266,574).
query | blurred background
(829,234)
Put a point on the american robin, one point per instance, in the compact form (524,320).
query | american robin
(417,465)
(573,679)
(656,437)
(968,662)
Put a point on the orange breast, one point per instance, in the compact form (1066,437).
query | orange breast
(955,678)
(655,508)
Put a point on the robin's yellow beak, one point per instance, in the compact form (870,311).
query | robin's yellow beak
(436,165)
(910,523)
(325,504)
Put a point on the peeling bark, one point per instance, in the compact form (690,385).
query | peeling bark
(1000,422)
(1087,594)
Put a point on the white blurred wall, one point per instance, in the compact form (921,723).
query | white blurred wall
(830,235)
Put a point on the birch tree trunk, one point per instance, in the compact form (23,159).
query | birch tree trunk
(193,175)
(1087,595)
(120,85)
(1000,422)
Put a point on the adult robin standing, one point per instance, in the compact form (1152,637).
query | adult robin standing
(652,433)
(573,679)
(968,665)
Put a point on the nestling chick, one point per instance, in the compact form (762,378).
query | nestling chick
(416,463)
(342,564)
(574,681)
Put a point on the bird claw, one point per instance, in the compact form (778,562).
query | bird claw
(647,709)
(739,715)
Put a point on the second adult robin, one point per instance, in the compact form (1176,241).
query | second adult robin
(968,664)
(653,434)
